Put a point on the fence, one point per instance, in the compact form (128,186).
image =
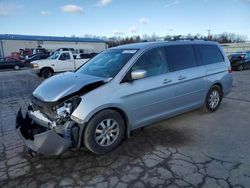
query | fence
(236,47)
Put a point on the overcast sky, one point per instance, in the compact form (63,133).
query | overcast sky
(124,17)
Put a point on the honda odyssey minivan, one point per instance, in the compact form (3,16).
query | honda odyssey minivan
(122,89)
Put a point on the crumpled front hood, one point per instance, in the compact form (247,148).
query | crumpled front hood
(62,85)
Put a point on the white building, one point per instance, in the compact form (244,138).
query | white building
(12,43)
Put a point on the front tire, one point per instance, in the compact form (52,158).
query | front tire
(213,99)
(104,132)
(46,72)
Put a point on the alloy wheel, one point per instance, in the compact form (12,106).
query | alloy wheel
(106,132)
(214,99)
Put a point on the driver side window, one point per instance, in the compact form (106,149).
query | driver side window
(153,61)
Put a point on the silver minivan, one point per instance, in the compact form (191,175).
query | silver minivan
(122,89)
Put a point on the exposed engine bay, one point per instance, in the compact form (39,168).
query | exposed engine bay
(50,124)
(48,127)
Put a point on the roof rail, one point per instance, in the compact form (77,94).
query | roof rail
(188,39)
(176,38)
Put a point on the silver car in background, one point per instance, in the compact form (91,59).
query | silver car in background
(122,89)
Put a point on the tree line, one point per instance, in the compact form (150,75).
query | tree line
(221,38)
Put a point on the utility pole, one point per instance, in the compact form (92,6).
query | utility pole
(209,33)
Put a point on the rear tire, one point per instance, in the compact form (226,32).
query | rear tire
(240,68)
(213,99)
(46,72)
(104,132)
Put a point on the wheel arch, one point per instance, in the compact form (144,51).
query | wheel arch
(122,113)
(46,68)
(212,84)
(205,104)
(218,84)
(125,118)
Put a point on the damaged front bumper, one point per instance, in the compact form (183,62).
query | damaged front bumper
(39,138)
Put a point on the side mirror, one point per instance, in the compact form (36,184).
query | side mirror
(138,74)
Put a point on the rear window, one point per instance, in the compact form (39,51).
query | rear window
(210,54)
(181,57)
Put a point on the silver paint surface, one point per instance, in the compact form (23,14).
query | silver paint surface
(61,85)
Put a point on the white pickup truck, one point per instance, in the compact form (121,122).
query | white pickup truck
(60,61)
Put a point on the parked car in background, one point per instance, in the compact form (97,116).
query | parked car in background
(28,55)
(240,60)
(39,51)
(16,55)
(11,63)
(88,56)
(32,58)
(35,57)
(60,61)
(25,52)
(123,89)
(65,49)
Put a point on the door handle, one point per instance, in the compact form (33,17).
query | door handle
(181,77)
(53,65)
(166,81)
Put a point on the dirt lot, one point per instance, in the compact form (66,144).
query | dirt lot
(192,150)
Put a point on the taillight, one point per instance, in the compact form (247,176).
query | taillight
(230,69)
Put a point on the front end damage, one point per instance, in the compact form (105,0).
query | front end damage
(48,127)
(45,136)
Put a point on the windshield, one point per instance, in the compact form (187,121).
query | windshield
(54,56)
(108,63)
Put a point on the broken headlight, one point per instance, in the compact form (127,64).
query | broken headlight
(65,109)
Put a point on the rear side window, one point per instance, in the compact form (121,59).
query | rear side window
(210,54)
(181,57)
